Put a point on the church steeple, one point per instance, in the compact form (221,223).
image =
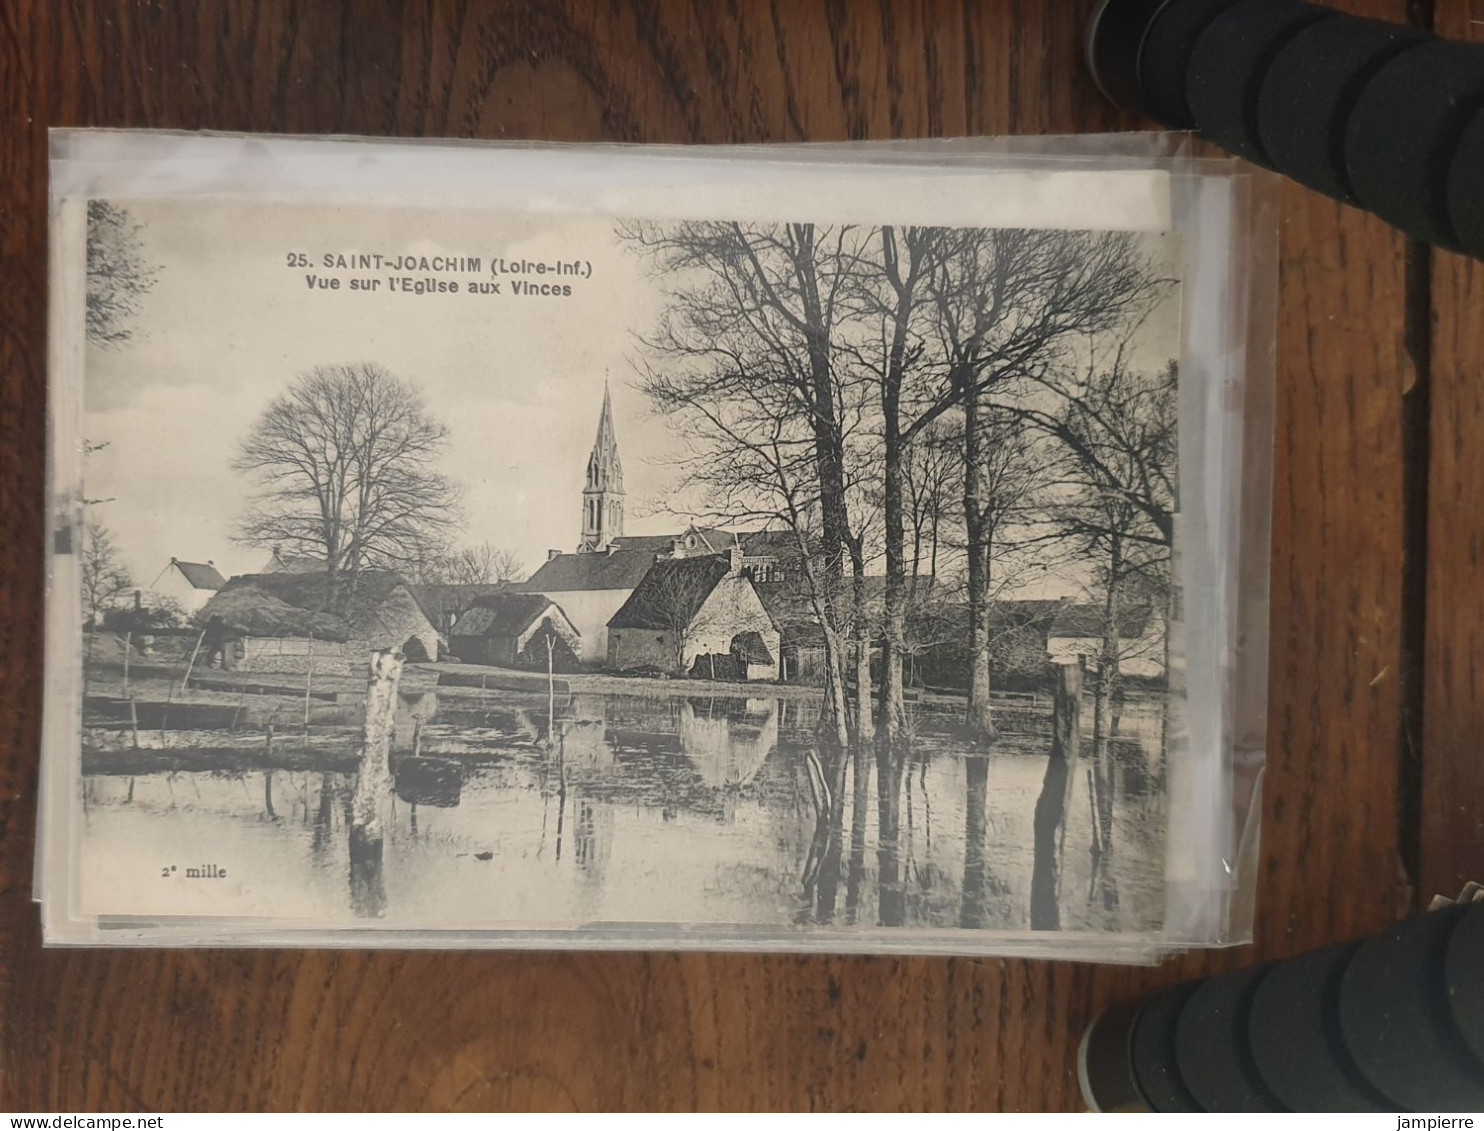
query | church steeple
(602,497)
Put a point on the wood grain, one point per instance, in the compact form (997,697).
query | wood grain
(280,1030)
(1452,785)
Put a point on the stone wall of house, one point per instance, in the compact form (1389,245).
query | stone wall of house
(590,610)
(393,623)
(631,648)
(293,654)
(732,607)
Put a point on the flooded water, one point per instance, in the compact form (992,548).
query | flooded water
(668,810)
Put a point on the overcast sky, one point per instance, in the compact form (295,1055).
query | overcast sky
(228,325)
(518,380)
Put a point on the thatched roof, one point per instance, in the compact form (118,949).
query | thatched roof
(504,614)
(252,611)
(671,593)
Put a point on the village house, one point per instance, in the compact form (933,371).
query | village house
(590,588)
(1077,630)
(446,603)
(367,611)
(516,630)
(188,584)
(593,583)
(699,616)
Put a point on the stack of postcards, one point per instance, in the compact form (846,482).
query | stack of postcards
(850,548)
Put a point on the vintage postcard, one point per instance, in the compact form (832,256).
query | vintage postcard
(500,571)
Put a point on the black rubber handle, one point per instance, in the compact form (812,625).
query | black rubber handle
(1378,115)
(1390,1023)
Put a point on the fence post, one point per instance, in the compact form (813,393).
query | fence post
(373,787)
(191,663)
(1050,823)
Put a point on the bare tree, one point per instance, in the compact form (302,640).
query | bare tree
(1117,429)
(1009,306)
(480,564)
(932,480)
(104,576)
(671,599)
(345,467)
(747,356)
(118,275)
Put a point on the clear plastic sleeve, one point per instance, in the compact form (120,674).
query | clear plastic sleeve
(1182,794)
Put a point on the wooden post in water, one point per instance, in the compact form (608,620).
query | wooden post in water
(128,647)
(1050,823)
(308,685)
(550,692)
(373,787)
(191,663)
(268,773)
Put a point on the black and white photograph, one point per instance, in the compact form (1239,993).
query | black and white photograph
(486,570)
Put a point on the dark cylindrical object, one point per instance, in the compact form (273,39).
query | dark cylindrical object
(1382,116)
(1156,1065)
(1311,85)
(1212,1046)
(1295,1032)
(1391,1023)
(1465,186)
(1396,1018)
(1404,129)
(1230,61)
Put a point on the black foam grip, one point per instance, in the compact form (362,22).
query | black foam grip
(1164,56)
(1309,90)
(1294,1031)
(1397,1023)
(1465,188)
(1229,62)
(1463,976)
(1402,133)
(1212,1049)
(1152,1050)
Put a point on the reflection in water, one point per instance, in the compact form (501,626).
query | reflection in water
(976,825)
(681,809)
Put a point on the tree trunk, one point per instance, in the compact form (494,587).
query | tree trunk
(893,707)
(860,805)
(829,458)
(1104,705)
(980,719)
(865,727)
(891,895)
(373,787)
(973,910)
(1049,824)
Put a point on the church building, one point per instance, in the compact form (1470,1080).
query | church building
(602,498)
(594,583)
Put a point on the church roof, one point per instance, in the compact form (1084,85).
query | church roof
(199,575)
(622,569)
(654,543)
(671,593)
(605,469)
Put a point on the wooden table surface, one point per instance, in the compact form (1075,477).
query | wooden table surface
(1374,787)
